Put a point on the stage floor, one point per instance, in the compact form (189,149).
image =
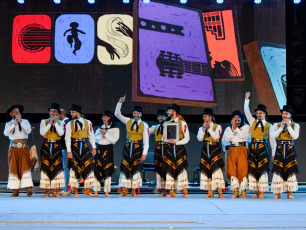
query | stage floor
(148,211)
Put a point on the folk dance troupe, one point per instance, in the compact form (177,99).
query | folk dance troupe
(73,154)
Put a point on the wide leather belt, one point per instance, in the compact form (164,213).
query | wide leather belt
(239,144)
(280,142)
(79,139)
(50,141)
(161,143)
(210,143)
(259,140)
(134,142)
(19,143)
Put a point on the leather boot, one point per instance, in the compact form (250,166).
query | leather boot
(133,192)
(243,194)
(75,192)
(15,193)
(236,193)
(47,193)
(55,193)
(210,194)
(87,192)
(171,193)
(289,195)
(163,192)
(30,191)
(124,191)
(220,193)
(185,193)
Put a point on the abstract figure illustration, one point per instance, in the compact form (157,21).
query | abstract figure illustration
(74,36)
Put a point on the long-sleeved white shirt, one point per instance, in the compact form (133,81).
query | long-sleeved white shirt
(185,131)
(239,134)
(124,120)
(251,119)
(214,134)
(45,128)
(91,135)
(111,136)
(293,132)
(18,134)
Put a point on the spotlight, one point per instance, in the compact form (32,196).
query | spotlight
(257,1)
(183,1)
(20,1)
(297,1)
(57,1)
(220,1)
(146,1)
(91,1)
(126,1)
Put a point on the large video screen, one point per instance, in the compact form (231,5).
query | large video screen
(161,53)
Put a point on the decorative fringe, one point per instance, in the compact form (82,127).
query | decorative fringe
(73,181)
(217,181)
(160,182)
(261,185)
(235,183)
(280,186)
(15,183)
(89,182)
(135,182)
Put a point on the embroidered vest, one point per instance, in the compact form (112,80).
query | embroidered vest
(134,135)
(83,133)
(209,138)
(159,136)
(285,135)
(257,133)
(52,135)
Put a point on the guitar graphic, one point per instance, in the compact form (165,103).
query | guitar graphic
(34,38)
(172,65)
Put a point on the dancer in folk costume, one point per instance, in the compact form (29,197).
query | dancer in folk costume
(285,165)
(106,136)
(52,175)
(159,152)
(134,151)
(237,167)
(211,158)
(78,131)
(259,149)
(175,157)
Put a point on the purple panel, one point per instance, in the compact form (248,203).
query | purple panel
(185,75)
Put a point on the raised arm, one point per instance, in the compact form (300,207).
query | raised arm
(118,114)
(247,111)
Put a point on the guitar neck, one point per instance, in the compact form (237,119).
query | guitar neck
(196,68)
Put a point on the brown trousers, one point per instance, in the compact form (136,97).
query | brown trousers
(19,161)
(237,165)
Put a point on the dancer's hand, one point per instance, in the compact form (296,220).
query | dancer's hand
(122,99)
(70,155)
(143,157)
(172,142)
(272,159)
(94,152)
(247,95)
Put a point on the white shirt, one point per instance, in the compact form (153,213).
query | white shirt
(251,119)
(224,143)
(185,131)
(91,135)
(58,128)
(18,134)
(111,136)
(239,134)
(214,134)
(124,120)
(293,132)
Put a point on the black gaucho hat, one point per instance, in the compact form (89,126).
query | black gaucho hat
(76,107)
(287,108)
(161,112)
(261,107)
(11,108)
(237,112)
(208,111)
(137,108)
(174,107)
(55,106)
(108,113)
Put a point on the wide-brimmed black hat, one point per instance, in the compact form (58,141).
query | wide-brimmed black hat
(208,111)
(174,107)
(10,109)
(76,107)
(261,107)
(108,113)
(137,108)
(237,112)
(287,108)
(55,106)
(161,112)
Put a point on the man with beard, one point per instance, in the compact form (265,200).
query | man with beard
(52,175)
(106,136)
(77,132)
(19,162)
(175,158)
(211,158)
(158,130)
(65,120)
(285,164)
(237,167)
(259,150)
(133,152)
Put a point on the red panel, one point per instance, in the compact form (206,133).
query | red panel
(31,39)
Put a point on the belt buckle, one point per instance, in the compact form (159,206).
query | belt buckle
(236,144)
(19,145)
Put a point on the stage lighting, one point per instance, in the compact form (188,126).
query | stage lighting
(183,1)
(297,1)
(257,1)
(91,1)
(126,1)
(220,1)
(57,1)
(146,1)
(20,1)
